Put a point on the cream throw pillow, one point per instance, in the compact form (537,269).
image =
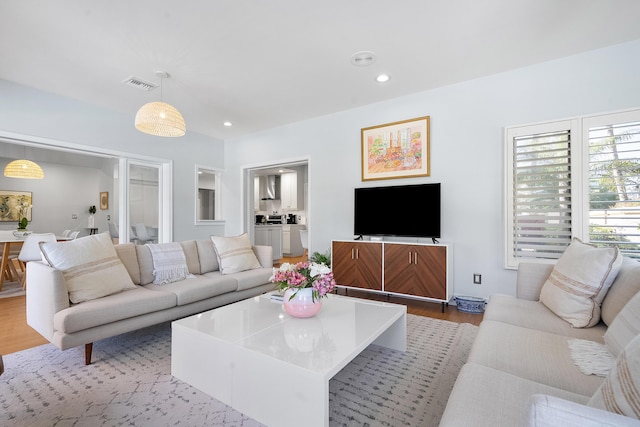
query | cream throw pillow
(90,267)
(620,390)
(235,254)
(579,282)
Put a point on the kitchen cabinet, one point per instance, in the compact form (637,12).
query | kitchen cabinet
(357,264)
(291,243)
(269,235)
(414,270)
(289,190)
(258,205)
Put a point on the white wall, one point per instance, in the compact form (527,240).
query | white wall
(28,113)
(466,148)
(467,123)
(77,188)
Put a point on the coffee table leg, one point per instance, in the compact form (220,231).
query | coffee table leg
(395,337)
(266,389)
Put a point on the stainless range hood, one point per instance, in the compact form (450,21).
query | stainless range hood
(270,187)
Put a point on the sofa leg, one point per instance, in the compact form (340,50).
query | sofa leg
(88,348)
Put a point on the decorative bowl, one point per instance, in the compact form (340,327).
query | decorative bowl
(21,234)
(470,304)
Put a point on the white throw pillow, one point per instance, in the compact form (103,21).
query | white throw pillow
(620,390)
(579,282)
(90,267)
(624,327)
(235,254)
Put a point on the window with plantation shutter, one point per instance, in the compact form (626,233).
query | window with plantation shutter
(614,182)
(573,178)
(540,212)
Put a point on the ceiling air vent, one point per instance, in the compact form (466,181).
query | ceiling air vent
(363,58)
(140,84)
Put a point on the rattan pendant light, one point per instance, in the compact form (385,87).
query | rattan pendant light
(160,118)
(23,168)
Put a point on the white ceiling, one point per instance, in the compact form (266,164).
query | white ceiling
(262,64)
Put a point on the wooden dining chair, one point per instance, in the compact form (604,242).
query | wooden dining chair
(10,273)
(31,251)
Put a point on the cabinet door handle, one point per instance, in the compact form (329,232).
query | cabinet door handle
(352,254)
(357,254)
(415,258)
(409,257)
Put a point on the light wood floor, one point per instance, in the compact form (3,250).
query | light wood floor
(16,335)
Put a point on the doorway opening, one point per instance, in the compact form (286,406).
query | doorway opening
(277,207)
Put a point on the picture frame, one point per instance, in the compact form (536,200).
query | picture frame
(104,200)
(14,205)
(396,150)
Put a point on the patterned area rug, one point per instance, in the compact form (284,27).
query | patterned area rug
(130,383)
(11,289)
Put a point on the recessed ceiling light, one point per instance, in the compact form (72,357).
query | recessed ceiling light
(382,78)
(227,124)
(363,58)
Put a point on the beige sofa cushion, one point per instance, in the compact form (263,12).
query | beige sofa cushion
(207,255)
(112,308)
(90,267)
(199,288)
(190,250)
(620,392)
(625,327)
(251,278)
(626,285)
(145,261)
(531,354)
(127,254)
(579,282)
(535,315)
(235,254)
(487,397)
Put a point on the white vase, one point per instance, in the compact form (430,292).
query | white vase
(92,221)
(302,304)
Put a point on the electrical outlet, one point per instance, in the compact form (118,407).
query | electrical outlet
(477,278)
(74,216)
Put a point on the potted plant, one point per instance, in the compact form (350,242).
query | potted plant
(22,224)
(321,258)
(92,210)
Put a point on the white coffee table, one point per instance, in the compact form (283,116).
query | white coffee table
(272,367)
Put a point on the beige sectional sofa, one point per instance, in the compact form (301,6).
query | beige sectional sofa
(521,371)
(139,303)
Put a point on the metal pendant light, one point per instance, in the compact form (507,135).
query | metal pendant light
(160,118)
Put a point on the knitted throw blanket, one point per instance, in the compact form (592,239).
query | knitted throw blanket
(169,263)
(590,357)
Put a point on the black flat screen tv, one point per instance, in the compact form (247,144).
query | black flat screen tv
(405,210)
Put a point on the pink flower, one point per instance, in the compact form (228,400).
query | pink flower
(304,275)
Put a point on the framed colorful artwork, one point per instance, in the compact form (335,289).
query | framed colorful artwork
(15,205)
(104,200)
(396,150)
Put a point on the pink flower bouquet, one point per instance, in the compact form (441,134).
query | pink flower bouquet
(304,275)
